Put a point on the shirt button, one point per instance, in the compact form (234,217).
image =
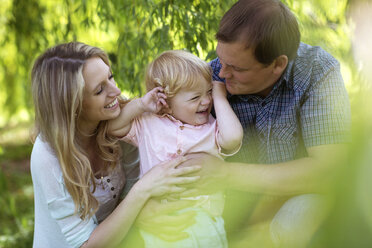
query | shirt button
(182,127)
(179,151)
(108,180)
(114,196)
(112,188)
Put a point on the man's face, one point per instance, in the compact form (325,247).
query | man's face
(242,72)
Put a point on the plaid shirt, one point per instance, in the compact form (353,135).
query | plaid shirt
(307,107)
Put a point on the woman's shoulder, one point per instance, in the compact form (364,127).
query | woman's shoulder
(43,159)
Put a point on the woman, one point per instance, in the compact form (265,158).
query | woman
(74,164)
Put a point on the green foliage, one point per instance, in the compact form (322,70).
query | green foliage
(16,200)
(133,33)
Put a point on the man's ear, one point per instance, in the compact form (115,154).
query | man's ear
(280,63)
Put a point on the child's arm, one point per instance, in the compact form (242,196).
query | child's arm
(230,130)
(153,101)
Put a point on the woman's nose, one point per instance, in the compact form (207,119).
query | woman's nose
(114,90)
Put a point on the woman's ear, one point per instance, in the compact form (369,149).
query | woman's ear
(280,63)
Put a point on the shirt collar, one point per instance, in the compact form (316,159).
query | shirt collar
(180,123)
(286,75)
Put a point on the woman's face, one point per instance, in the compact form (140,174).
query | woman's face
(100,94)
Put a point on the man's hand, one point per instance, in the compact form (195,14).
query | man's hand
(158,218)
(213,174)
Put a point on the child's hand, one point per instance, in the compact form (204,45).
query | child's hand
(219,90)
(154,100)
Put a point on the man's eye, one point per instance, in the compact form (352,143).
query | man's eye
(238,69)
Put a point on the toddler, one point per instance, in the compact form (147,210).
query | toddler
(173,119)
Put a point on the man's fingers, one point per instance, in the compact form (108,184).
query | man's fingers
(189,193)
(184,180)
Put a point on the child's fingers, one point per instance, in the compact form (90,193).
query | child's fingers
(162,95)
(163,102)
(158,89)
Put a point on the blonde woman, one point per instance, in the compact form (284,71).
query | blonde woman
(74,164)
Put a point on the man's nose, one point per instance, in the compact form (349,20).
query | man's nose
(225,72)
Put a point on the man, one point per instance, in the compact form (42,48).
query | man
(293,105)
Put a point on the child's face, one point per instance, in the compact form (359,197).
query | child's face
(192,106)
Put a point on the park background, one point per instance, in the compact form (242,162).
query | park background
(133,32)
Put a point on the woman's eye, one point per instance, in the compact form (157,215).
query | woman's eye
(100,90)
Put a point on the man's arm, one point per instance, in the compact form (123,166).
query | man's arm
(306,175)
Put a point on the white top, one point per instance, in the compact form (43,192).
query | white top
(56,225)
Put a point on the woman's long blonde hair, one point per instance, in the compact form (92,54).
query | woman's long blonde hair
(57,89)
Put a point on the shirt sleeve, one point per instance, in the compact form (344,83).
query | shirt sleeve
(325,113)
(132,135)
(47,175)
(130,162)
(222,152)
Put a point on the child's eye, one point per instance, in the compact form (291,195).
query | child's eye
(111,76)
(210,91)
(194,98)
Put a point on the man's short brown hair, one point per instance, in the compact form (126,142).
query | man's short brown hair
(267,26)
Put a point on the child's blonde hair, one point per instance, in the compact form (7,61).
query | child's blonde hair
(177,69)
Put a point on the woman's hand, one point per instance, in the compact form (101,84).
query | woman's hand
(166,178)
(154,100)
